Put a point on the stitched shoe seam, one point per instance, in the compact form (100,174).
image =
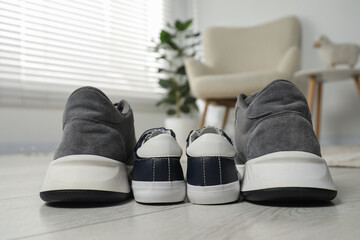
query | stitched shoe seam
(153,168)
(204,172)
(220,170)
(169,177)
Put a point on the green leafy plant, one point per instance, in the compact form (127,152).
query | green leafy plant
(176,43)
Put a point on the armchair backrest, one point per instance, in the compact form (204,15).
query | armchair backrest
(249,49)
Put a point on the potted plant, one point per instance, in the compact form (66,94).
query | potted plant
(176,43)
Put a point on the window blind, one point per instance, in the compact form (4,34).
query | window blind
(48,48)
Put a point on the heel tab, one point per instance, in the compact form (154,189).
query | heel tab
(163,145)
(211,145)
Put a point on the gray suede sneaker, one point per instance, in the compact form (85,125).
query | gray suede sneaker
(275,140)
(92,161)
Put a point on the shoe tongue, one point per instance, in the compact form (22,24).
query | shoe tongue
(123,106)
(278,96)
(91,103)
(155,132)
(251,98)
(210,129)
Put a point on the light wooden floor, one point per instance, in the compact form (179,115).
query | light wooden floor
(24,216)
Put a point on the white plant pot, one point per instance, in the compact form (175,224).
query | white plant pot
(182,127)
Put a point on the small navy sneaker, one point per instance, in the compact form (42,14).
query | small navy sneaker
(97,149)
(157,175)
(212,177)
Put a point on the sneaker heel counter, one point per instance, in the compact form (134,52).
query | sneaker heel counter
(211,145)
(158,169)
(282,132)
(85,137)
(211,170)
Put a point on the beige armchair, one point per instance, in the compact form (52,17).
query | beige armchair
(243,60)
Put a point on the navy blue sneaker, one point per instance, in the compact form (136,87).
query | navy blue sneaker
(157,175)
(212,177)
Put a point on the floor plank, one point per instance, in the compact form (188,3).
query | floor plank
(25,216)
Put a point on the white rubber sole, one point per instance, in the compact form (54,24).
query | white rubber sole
(290,169)
(217,194)
(159,192)
(240,169)
(86,172)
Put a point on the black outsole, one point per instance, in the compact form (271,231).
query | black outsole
(289,194)
(83,196)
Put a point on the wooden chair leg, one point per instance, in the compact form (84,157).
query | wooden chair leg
(202,122)
(227,108)
(357,83)
(318,110)
(310,93)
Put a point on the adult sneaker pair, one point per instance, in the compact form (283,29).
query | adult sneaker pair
(211,172)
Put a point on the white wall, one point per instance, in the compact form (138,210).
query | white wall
(38,127)
(30,129)
(34,129)
(338,19)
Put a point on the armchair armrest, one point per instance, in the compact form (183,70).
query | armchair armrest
(195,68)
(290,61)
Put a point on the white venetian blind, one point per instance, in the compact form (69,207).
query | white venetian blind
(48,48)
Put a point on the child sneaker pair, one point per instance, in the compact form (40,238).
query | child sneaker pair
(211,173)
